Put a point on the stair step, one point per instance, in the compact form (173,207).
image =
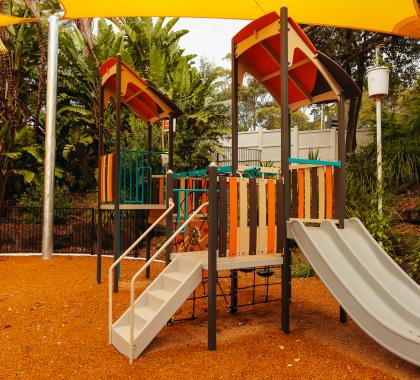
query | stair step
(179,276)
(162,294)
(156,306)
(185,266)
(169,283)
(124,332)
(152,301)
(145,312)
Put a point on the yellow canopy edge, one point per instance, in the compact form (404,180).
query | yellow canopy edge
(400,17)
(6,20)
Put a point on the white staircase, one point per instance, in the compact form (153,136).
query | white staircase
(146,316)
(156,305)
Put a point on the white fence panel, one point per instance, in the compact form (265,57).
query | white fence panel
(301,143)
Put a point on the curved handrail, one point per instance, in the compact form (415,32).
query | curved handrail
(128,250)
(145,266)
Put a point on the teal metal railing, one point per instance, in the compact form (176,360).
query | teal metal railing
(185,203)
(314,162)
(136,175)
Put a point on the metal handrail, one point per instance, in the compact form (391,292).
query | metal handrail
(145,266)
(129,249)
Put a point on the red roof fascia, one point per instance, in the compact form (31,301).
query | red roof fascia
(266,20)
(132,89)
(257,24)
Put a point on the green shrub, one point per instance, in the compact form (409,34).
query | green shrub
(313,154)
(401,169)
(33,197)
(266,164)
(301,268)
(411,260)
(401,149)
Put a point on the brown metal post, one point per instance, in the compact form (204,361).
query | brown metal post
(171,143)
(342,180)
(117,215)
(235,151)
(234,111)
(149,193)
(285,154)
(342,158)
(149,161)
(169,218)
(99,223)
(212,256)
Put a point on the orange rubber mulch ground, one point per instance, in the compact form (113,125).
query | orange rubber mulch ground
(53,324)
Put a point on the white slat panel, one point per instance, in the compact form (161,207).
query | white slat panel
(262,216)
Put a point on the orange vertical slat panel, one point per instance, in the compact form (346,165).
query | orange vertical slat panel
(233,216)
(110,177)
(102,179)
(329,192)
(161,190)
(301,194)
(190,196)
(271,215)
(204,196)
(105,179)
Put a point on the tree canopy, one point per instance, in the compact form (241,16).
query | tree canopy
(151,47)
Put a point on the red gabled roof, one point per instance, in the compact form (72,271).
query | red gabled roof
(144,100)
(257,49)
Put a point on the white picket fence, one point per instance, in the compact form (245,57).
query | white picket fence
(268,142)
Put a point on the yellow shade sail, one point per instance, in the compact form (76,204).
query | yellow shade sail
(400,17)
(6,20)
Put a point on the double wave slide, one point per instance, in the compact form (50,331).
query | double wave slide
(378,295)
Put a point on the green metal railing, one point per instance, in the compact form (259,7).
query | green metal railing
(136,175)
(186,203)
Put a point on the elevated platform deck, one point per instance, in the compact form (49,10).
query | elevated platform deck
(235,262)
(125,206)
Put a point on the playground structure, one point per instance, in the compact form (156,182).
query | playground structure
(130,180)
(234,218)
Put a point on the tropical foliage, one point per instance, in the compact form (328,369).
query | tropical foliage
(150,47)
(401,171)
(355,52)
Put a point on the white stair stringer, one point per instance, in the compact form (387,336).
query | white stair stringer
(156,305)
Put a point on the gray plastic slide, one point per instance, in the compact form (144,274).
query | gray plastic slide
(367,283)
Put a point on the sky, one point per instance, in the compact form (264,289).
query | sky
(210,38)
